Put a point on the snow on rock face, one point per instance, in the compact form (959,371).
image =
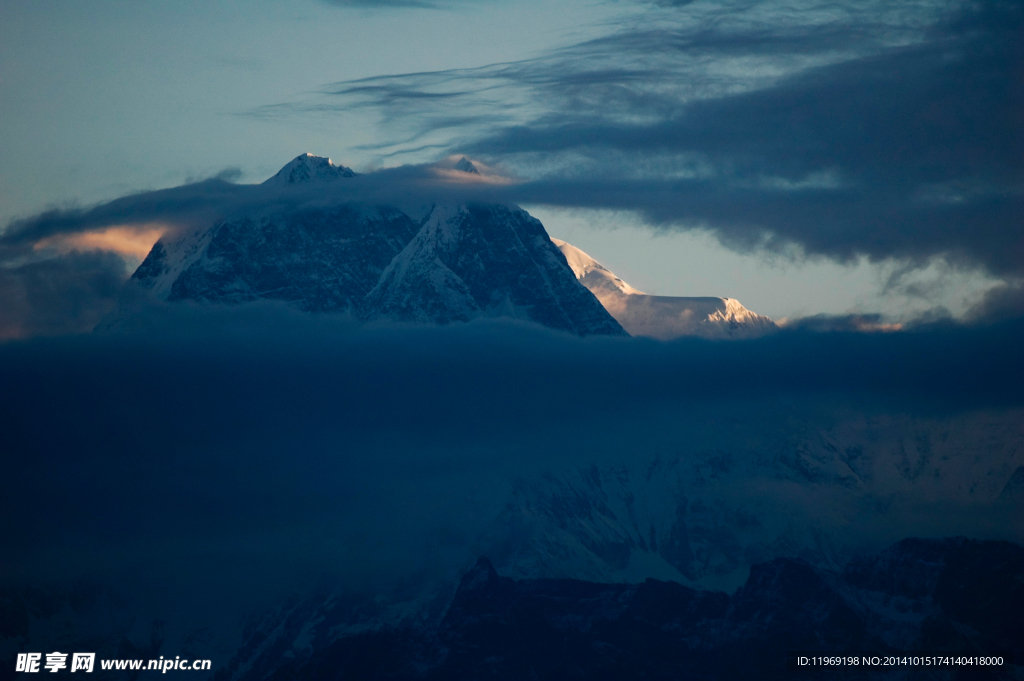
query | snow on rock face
(485,260)
(456,263)
(308,168)
(783,488)
(317,260)
(664,317)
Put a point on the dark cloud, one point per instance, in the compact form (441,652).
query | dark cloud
(45,293)
(849,131)
(924,142)
(61,295)
(1000,303)
(843,323)
(205,202)
(197,201)
(231,446)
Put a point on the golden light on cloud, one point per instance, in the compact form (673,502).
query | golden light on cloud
(470,178)
(853,323)
(465,171)
(132,242)
(877,327)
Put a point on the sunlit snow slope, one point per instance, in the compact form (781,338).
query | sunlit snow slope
(664,317)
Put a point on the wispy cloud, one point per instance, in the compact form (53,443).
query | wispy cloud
(131,242)
(732,116)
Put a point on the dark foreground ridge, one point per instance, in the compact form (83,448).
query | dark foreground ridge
(919,595)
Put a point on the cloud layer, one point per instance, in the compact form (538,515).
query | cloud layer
(57,296)
(847,131)
(259,448)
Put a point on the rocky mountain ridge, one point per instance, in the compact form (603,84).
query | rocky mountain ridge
(919,596)
(950,595)
(455,263)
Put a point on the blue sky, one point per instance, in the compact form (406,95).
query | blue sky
(803,157)
(102,98)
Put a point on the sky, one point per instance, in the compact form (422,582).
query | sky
(806,158)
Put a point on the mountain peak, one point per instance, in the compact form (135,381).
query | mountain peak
(459,262)
(466,166)
(663,317)
(308,168)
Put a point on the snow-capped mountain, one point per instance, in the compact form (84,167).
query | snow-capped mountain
(308,168)
(484,260)
(453,263)
(664,317)
(701,514)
